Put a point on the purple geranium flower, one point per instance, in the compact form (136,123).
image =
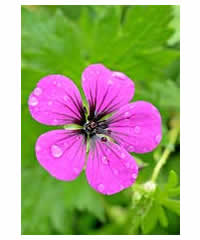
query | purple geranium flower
(132,127)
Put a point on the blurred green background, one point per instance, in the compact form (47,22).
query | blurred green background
(144,43)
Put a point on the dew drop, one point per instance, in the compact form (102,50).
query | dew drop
(101,187)
(145,149)
(76,170)
(131,148)
(110,82)
(104,160)
(33,101)
(158,138)
(116,172)
(37,148)
(49,103)
(134,176)
(127,165)
(121,186)
(66,98)
(78,137)
(55,122)
(137,129)
(38,91)
(127,114)
(56,151)
(118,75)
(123,155)
(108,150)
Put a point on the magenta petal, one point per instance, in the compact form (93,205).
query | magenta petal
(110,168)
(106,90)
(137,127)
(56,101)
(62,153)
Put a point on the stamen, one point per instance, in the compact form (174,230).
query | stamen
(104,139)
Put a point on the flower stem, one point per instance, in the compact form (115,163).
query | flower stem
(173,135)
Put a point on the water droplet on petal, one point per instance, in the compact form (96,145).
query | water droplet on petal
(49,103)
(56,151)
(66,98)
(110,82)
(76,170)
(123,155)
(131,149)
(108,150)
(78,137)
(37,148)
(55,121)
(137,129)
(121,186)
(118,75)
(158,138)
(54,82)
(116,172)
(127,114)
(38,91)
(83,78)
(134,176)
(33,101)
(100,187)
(104,160)
(127,165)
(145,149)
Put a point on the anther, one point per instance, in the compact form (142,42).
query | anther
(104,139)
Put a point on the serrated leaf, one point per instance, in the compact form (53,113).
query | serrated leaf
(42,197)
(51,44)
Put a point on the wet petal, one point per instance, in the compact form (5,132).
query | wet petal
(62,153)
(56,101)
(106,90)
(110,168)
(137,127)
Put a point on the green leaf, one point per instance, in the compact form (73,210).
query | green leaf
(173,205)
(150,220)
(162,216)
(81,196)
(42,204)
(172,180)
(51,44)
(175,24)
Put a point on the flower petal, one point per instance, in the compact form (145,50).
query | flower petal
(62,153)
(137,127)
(110,168)
(56,101)
(106,90)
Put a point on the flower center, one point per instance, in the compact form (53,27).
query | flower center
(92,127)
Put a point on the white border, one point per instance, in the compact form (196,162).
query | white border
(10,120)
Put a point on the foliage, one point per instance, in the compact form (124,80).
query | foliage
(141,41)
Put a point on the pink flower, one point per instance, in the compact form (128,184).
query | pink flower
(133,127)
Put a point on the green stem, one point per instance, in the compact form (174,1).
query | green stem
(169,148)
